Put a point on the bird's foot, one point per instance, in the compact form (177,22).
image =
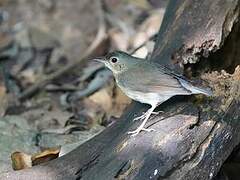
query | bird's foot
(143,116)
(138,130)
(146,116)
(156,113)
(140,117)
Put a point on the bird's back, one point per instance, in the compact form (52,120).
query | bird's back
(148,78)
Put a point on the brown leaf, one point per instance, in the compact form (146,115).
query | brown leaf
(3,100)
(103,98)
(21,161)
(120,102)
(45,156)
(147,29)
(119,39)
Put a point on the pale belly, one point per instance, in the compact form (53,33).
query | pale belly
(147,98)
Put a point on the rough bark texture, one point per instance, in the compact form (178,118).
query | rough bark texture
(193,137)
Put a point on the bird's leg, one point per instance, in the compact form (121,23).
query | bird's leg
(141,127)
(145,114)
(140,117)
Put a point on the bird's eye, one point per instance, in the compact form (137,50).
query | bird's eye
(114,59)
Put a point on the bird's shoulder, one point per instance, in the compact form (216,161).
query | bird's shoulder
(138,72)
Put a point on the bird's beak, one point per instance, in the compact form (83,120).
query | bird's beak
(100,59)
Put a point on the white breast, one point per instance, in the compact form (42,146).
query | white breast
(147,98)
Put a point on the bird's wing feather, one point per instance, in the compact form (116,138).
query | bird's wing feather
(186,83)
(151,79)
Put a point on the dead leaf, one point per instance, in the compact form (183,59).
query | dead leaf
(143,4)
(92,114)
(45,156)
(120,102)
(5,40)
(42,40)
(21,161)
(47,116)
(3,100)
(146,30)
(119,40)
(103,98)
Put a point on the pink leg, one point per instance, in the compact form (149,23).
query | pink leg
(141,127)
(145,114)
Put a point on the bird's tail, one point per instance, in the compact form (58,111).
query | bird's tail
(194,89)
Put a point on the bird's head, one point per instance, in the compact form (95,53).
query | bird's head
(118,61)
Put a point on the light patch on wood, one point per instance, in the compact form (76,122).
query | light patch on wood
(121,146)
(126,170)
(203,148)
(189,119)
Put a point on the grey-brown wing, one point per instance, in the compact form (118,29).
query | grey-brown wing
(185,83)
(151,79)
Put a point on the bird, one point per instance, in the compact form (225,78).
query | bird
(147,82)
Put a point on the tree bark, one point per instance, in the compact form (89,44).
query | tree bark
(193,136)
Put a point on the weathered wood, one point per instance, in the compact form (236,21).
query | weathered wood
(192,29)
(191,140)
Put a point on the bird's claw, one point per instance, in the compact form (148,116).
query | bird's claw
(156,113)
(138,130)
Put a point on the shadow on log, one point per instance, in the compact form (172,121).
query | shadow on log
(193,136)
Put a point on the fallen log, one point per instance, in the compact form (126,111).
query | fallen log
(194,135)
